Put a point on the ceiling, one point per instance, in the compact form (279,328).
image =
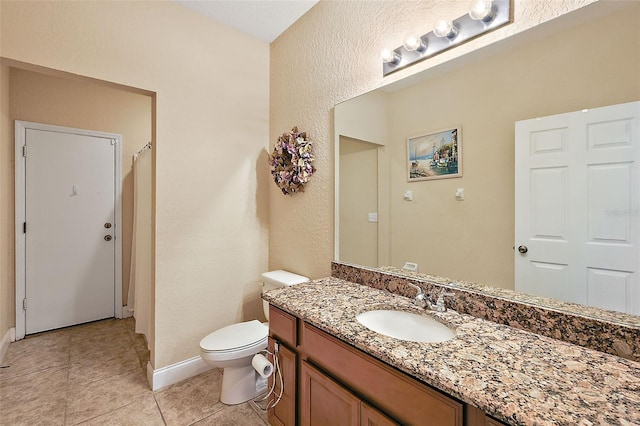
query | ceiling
(263,19)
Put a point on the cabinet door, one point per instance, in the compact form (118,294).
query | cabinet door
(494,422)
(474,416)
(369,416)
(324,402)
(284,413)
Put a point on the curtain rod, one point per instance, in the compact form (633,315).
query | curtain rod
(147,146)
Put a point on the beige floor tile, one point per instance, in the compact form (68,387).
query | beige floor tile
(96,342)
(234,415)
(142,349)
(102,325)
(142,411)
(191,400)
(101,365)
(34,399)
(35,353)
(101,397)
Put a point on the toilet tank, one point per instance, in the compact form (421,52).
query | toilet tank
(276,279)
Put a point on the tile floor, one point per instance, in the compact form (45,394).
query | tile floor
(95,374)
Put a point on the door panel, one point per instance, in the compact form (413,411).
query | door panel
(578,207)
(549,209)
(69,197)
(610,227)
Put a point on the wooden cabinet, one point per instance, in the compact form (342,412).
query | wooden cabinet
(284,413)
(369,416)
(324,402)
(283,331)
(400,396)
(328,382)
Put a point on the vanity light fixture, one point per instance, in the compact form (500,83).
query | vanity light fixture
(482,10)
(389,56)
(413,43)
(444,28)
(483,16)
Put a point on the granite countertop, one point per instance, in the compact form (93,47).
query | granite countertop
(519,377)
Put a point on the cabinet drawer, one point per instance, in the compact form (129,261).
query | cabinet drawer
(402,397)
(282,326)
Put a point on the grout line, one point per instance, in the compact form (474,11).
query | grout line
(158,407)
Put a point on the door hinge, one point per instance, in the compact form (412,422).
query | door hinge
(24,227)
(114,141)
(24,304)
(24,150)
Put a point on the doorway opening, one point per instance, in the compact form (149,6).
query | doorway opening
(43,95)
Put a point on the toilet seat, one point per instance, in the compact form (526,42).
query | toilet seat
(235,341)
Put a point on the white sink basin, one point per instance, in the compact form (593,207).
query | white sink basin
(405,326)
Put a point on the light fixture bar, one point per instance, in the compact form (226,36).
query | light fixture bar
(467,29)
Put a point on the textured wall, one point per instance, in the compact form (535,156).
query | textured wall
(329,56)
(210,131)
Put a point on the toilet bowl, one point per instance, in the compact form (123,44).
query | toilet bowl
(232,347)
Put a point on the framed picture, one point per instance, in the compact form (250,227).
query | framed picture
(436,155)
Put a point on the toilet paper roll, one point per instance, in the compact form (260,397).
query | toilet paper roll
(262,365)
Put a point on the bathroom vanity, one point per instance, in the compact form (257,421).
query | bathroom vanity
(336,371)
(332,382)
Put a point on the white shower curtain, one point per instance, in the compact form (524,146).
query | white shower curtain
(140,277)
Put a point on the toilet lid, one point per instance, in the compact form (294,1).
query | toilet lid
(235,336)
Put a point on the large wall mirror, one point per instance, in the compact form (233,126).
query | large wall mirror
(586,59)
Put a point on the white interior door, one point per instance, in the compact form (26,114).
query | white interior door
(578,207)
(71,271)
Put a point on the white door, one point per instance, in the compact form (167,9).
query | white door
(69,228)
(578,207)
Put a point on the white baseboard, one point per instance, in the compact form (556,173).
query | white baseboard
(127,312)
(165,376)
(9,336)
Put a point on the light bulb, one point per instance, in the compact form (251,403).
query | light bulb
(482,10)
(412,43)
(389,56)
(444,28)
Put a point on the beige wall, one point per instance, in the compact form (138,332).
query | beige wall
(329,56)
(211,130)
(83,104)
(358,197)
(7,259)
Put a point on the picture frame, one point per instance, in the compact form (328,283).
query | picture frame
(435,155)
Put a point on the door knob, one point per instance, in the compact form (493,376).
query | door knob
(107,225)
(107,237)
(523,249)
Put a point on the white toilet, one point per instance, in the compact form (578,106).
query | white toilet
(233,347)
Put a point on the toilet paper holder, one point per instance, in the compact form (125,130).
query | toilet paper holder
(262,365)
(265,369)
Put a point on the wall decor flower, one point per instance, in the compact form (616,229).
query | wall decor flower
(292,161)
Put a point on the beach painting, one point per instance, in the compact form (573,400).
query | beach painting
(436,155)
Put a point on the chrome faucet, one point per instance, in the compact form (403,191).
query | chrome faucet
(421,298)
(423,301)
(440,306)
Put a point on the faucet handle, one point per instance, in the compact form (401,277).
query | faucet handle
(440,305)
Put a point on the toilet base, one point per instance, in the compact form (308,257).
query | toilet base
(238,385)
